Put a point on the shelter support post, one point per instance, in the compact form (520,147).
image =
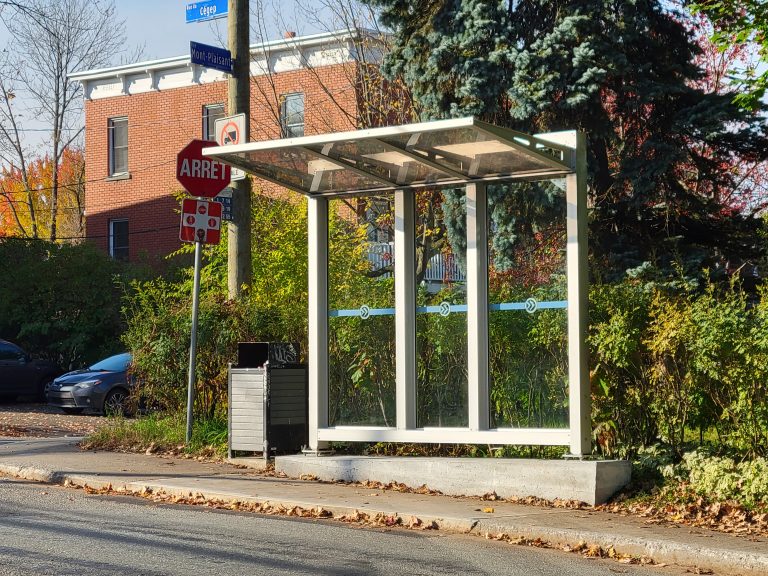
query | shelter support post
(318,318)
(405,309)
(477,306)
(578,294)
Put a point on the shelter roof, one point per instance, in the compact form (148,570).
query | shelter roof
(438,153)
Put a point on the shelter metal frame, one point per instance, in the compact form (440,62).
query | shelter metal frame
(401,159)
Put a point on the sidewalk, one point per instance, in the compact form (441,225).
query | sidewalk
(58,460)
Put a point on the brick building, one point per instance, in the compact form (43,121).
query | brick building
(138,117)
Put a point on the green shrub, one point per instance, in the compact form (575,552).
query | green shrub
(671,361)
(162,433)
(723,478)
(158,334)
(60,301)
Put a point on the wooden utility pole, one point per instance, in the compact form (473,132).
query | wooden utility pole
(239,270)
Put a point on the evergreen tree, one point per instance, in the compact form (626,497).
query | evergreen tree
(623,72)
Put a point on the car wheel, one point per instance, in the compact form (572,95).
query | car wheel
(116,403)
(73,411)
(42,389)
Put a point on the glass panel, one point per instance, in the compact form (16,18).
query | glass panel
(288,165)
(361,323)
(528,346)
(211,113)
(120,158)
(294,131)
(375,162)
(303,170)
(292,116)
(294,109)
(441,311)
(120,133)
(425,144)
(468,151)
(119,239)
(118,146)
(375,157)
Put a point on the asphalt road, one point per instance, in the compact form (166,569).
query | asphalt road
(50,530)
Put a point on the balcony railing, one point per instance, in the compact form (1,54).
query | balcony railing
(440,268)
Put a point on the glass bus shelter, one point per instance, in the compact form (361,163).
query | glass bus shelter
(402,161)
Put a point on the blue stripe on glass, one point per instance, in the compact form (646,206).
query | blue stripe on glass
(440,310)
(522,305)
(355,312)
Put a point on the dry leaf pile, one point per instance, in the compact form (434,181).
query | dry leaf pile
(40,421)
(729,517)
(359,518)
(393,486)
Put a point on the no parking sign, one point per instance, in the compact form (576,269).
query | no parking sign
(231,130)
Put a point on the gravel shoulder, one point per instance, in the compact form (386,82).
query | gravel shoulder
(41,421)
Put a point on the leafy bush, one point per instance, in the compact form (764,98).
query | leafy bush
(158,334)
(158,312)
(60,301)
(722,478)
(621,393)
(672,361)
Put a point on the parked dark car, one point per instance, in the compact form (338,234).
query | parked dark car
(103,387)
(20,375)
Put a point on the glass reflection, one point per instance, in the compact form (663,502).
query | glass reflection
(361,323)
(528,347)
(441,319)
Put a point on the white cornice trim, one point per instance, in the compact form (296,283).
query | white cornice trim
(283,44)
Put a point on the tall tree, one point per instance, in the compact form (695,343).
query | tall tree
(51,38)
(624,72)
(24,210)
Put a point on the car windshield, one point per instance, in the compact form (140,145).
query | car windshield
(115,363)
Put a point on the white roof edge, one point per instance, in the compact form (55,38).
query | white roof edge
(526,143)
(279,44)
(428,126)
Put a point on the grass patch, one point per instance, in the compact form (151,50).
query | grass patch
(162,433)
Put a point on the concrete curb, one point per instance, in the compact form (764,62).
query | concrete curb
(661,550)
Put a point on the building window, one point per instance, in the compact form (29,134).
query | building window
(118,146)
(118,239)
(211,113)
(292,116)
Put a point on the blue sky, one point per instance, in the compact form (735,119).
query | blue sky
(159,26)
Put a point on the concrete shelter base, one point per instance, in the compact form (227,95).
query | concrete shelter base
(590,481)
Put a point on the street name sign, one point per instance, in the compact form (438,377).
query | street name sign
(211,56)
(201,176)
(231,130)
(206,10)
(200,221)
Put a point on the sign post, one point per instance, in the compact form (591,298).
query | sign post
(192,376)
(200,223)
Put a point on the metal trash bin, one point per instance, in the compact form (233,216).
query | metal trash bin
(267,391)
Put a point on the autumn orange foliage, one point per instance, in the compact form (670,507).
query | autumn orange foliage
(26,197)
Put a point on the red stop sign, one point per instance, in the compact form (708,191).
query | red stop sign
(201,176)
